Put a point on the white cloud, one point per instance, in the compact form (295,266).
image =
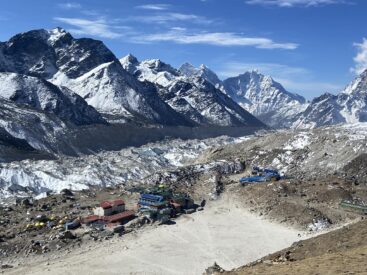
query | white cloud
(294,79)
(70,5)
(294,3)
(170,17)
(181,36)
(361,58)
(99,27)
(157,7)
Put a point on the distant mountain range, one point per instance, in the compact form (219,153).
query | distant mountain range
(348,106)
(51,82)
(192,96)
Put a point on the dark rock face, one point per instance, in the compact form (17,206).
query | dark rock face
(25,127)
(201,97)
(42,95)
(42,53)
(89,68)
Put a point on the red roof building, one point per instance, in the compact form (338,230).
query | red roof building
(121,217)
(107,208)
(91,219)
(113,219)
(118,202)
(105,204)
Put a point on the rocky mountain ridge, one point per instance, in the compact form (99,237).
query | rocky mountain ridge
(193,96)
(347,107)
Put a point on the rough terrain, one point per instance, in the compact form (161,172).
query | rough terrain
(187,247)
(343,251)
(228,231)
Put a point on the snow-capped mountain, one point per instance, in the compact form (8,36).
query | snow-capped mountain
(29,127)
(42,95)
(265,98)
(203,72)
(349,106)
(190,95)
(151,70)
(90,69)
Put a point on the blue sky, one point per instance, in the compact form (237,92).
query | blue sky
(310,46)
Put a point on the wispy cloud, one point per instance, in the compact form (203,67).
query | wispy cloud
(156,7)
(170,17)
(294,3)
(361,58)
(295,79)
(70,5)
(99,27)
(181,36)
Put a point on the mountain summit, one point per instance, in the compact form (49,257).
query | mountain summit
(265,98)
(203,71)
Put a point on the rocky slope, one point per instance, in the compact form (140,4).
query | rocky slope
(336,252)
(89,68)
(300,154)
(25,127)
(265,98)
(349,106)
(192,96)
(44,96)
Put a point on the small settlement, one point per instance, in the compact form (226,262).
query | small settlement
(65,220)
(157,205)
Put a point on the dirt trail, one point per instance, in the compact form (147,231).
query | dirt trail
(224,232)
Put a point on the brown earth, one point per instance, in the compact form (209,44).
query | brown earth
(299,203)
(343,251)
(16,241)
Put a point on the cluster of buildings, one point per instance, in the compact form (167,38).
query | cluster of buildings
(110,215)
(158,204)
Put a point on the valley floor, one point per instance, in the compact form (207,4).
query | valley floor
(224,233)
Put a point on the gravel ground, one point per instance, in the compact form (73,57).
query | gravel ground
(224,232)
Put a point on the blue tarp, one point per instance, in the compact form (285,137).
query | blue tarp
(265,175)
(152,198)
(253,179)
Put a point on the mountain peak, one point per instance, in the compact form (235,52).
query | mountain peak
(358,85)
(264,97)
(57,30)
(202,71)
(255,71)
(129,59)
(187,69)
(55,34)
(158,66)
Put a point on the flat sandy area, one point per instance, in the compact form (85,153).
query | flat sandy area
(223,232)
